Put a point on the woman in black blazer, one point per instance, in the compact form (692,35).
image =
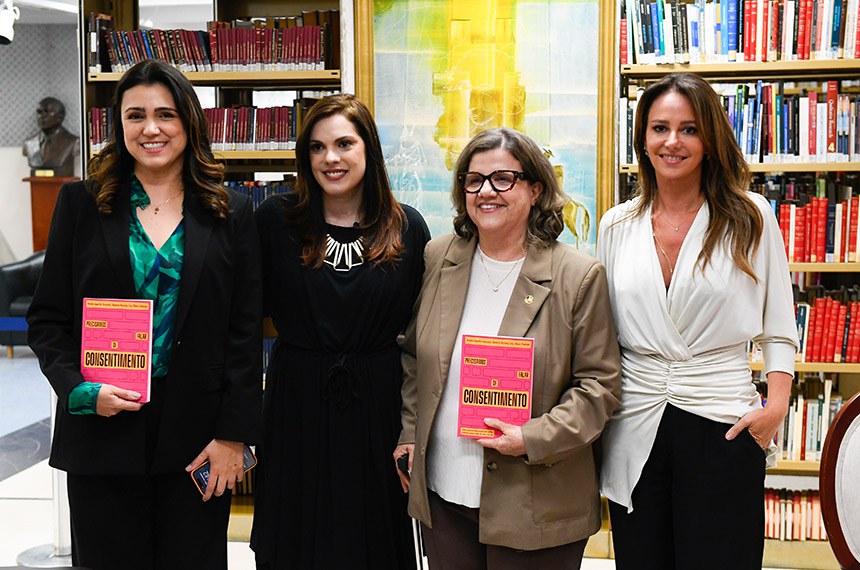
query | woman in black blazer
(154,221)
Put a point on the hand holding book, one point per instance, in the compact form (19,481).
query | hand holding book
(511,441)
(113,400)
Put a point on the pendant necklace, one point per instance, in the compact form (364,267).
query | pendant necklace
(683,221)
(158,206)
(662,250)
(495,286)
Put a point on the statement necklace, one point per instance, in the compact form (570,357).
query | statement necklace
(496,286)
(158,206)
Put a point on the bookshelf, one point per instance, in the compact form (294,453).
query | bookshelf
(636,68)
(235,88)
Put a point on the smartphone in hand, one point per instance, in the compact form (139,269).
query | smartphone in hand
(403,464)
(200,476)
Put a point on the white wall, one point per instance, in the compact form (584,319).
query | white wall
(16,228)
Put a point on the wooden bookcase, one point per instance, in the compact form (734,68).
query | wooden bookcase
(232,88)
(788,554)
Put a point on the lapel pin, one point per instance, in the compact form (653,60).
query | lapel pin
(529,299)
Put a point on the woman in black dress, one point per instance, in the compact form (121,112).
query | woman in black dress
(342,266)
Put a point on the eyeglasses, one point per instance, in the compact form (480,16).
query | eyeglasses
(500,180)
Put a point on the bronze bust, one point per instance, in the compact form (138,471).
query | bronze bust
(53,148)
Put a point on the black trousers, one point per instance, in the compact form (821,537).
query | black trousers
(699,503)
(452,544)
(156,522)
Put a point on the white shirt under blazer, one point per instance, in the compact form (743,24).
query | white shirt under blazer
(687,345)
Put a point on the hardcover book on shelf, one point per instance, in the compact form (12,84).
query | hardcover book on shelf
(116,343)
(495,382)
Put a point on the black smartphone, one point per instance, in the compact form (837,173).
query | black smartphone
(403,464)
(200,476)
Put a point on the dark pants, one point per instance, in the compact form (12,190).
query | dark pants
(452,544)
(699,503)
(146,523)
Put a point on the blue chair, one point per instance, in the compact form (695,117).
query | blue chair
(17,286)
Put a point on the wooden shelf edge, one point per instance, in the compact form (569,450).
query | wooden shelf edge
(825,267)
(838,367)
(786,467)
(749,69)
(199,77)
(778,167)
(815,554)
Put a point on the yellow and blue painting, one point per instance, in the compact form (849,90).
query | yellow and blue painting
(448,69)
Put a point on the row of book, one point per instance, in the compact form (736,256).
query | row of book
(793,515)
(771,126)
(828,331)
(802,433)
(239,45)
(717,31)
(259,191)
(228,128)
(818,230)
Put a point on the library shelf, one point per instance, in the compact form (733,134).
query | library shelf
(825,267)
(777,167)
(773,69)
(837,367)
(810,554)
(787,467)
(255,154)
(314,78)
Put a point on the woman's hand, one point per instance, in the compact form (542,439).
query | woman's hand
(225,466)
(762,425)
(509,443)
(404,449)
(112,400)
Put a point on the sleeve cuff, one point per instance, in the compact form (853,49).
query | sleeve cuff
(778,357)
(83,398)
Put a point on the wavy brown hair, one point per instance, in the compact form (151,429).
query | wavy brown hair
(200,171)
(545,221)
(383,217)
(725,174)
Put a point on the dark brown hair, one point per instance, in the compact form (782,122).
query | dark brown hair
(383,217)
(201,173)
(545,221)
(725,174)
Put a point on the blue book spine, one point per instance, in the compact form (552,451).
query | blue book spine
(831,232)
(657,28)
(777,121)
(724,27)
(837,17)
(732,28)
(784,141)
(146,45)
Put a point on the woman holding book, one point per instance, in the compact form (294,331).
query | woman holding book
(342,266)
(697,269)
(527,498)
(153,222)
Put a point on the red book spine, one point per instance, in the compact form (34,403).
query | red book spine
(800,233)
(801,27)
(622,30)
(810,241)
(840,332)
(784,216)
(818,311)
(854,341)
(754,31)
(747,47)
(832,331)
(843,251)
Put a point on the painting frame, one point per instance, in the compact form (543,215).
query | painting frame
(606,189)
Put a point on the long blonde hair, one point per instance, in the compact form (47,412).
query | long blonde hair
(725,174)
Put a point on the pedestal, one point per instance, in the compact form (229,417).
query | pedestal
(43,197)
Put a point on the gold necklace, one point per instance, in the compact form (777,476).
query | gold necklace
(683,221)
(663,251)
(158,206)
(496,286)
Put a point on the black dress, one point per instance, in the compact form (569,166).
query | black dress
(327,495)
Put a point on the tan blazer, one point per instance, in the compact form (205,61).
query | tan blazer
(550,496)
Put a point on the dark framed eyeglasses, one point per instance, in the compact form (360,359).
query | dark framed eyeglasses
(500,180)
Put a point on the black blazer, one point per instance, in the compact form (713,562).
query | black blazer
(214,385)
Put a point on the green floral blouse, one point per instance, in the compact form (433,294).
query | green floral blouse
(156,275)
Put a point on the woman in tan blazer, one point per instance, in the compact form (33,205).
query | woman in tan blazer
(529,496)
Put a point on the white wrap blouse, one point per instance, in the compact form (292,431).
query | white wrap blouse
(687,345)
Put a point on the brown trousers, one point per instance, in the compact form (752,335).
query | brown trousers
(452,544)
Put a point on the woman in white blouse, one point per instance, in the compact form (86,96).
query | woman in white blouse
(696,268)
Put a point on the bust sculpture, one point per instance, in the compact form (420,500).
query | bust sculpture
(53,148)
